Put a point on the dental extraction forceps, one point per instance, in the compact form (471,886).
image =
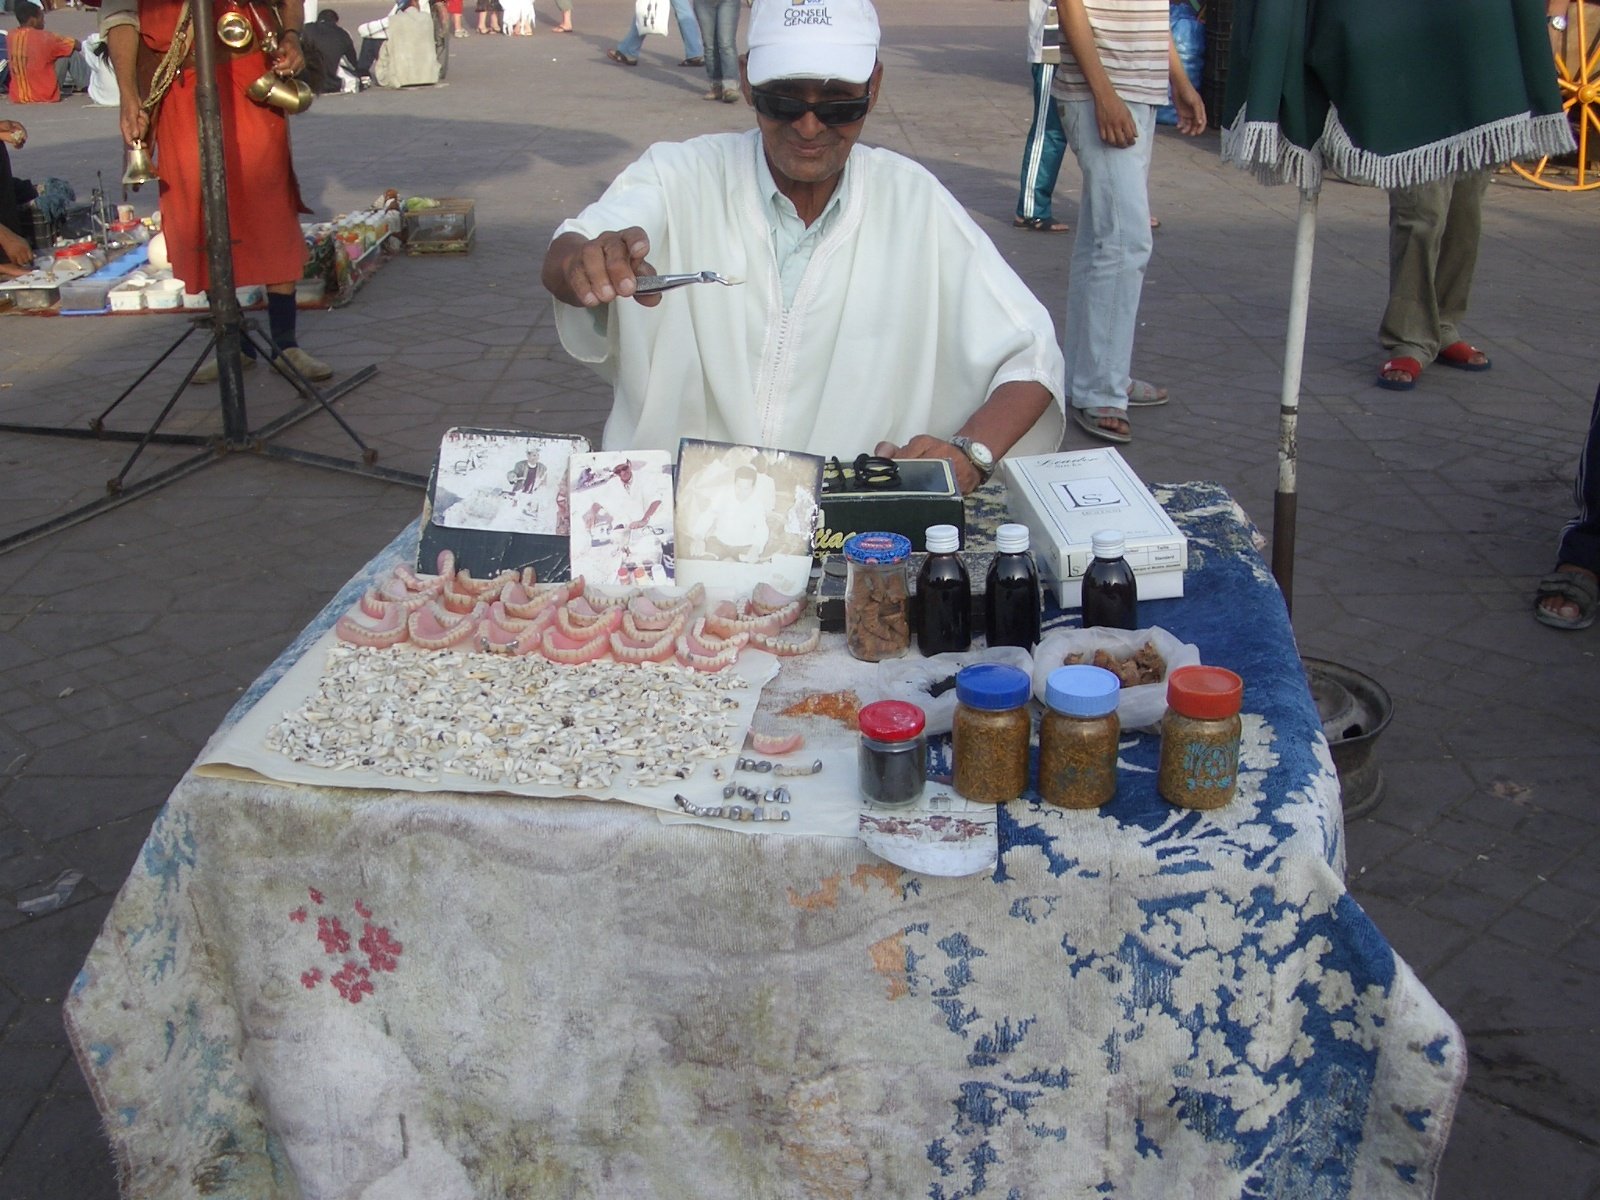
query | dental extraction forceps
(649,285)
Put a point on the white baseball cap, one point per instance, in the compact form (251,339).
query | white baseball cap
(812,39)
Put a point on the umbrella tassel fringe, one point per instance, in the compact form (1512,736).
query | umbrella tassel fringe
(1261,148)
(1491,145)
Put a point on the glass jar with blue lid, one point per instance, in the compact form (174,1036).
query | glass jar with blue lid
(1078,737)
(990,733)
(877,596)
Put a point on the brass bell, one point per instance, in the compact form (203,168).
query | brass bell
(234,31)
(291,95)
(140,169)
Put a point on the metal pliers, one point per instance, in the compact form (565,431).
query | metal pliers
(649,285)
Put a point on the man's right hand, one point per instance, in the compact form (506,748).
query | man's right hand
(135,120)
(592,272)
(1116,122)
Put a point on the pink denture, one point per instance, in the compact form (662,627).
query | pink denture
(358,627)
(435,627)
(558,647)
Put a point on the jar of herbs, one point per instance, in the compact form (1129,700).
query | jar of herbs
(892,758)
(991,732)
(1200,737)
(1078,737)
(877,596)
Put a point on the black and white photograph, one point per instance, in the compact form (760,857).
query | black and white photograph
(745,515)
(504,480)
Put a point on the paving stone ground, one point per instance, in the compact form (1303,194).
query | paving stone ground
(1424,519)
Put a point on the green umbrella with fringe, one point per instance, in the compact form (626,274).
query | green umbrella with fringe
(1391,93)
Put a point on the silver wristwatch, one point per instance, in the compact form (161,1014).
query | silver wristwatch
(1558,23)
(979,455)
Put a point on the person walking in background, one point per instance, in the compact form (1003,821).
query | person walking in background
(1433,252)
(626,52)
(44,65)
(1116,64)
(719,26)
(565,6)
(1046,144)
(1569,597)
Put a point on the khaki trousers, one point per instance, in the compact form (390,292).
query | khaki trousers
(1433,250)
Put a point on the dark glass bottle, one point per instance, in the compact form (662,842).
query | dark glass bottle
(1011,594)
(1110,592)
(944,595)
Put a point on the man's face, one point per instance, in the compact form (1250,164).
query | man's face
(807,151)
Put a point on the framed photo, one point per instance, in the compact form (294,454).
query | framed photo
(503,481)
(745,515)
(621,504)
(498,501)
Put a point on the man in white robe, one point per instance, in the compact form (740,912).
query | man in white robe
(873,313)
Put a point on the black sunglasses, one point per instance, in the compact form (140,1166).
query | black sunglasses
(830,112)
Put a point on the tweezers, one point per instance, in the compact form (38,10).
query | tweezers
(646,285)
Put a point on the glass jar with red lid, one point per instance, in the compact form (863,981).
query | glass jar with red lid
(893,756)
(1200,737)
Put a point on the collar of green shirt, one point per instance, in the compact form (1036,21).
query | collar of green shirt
(793,242)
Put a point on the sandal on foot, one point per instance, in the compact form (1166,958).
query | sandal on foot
(731,96)
(617,56)
(1089,419)
(1146,395)
(1460,355)
(1408,367)
(1040,224)
(1582,590)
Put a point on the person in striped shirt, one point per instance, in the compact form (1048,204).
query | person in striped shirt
(43,64)
(1117,62)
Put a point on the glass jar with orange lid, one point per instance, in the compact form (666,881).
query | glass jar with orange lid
(1200,737)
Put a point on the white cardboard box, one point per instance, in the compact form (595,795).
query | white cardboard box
(1064,498)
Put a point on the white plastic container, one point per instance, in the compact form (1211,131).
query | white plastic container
(129,295)
(165,295)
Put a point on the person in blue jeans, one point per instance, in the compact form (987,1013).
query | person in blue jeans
(627,50)
(719,25)
(1046,144)
(1117,62)
(1569,597)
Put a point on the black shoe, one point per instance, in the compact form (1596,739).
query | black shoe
(697,61)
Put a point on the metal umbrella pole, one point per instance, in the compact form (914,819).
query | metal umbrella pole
(1286,497)
(225,315)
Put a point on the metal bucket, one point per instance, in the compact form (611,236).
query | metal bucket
(1354,709)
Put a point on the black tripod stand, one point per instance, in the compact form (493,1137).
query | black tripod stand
(229,331)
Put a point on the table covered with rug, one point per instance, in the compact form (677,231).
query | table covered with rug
(566,998)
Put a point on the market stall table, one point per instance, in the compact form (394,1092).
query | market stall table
(329,993)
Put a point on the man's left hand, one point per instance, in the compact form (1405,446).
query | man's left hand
(1190,107)
(13,132)
(926,446)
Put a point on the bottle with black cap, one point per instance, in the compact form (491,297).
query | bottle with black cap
(1011,592)
(944,595)
(1110,592)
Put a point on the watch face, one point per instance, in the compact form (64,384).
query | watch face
(1559,24)
(980,454)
